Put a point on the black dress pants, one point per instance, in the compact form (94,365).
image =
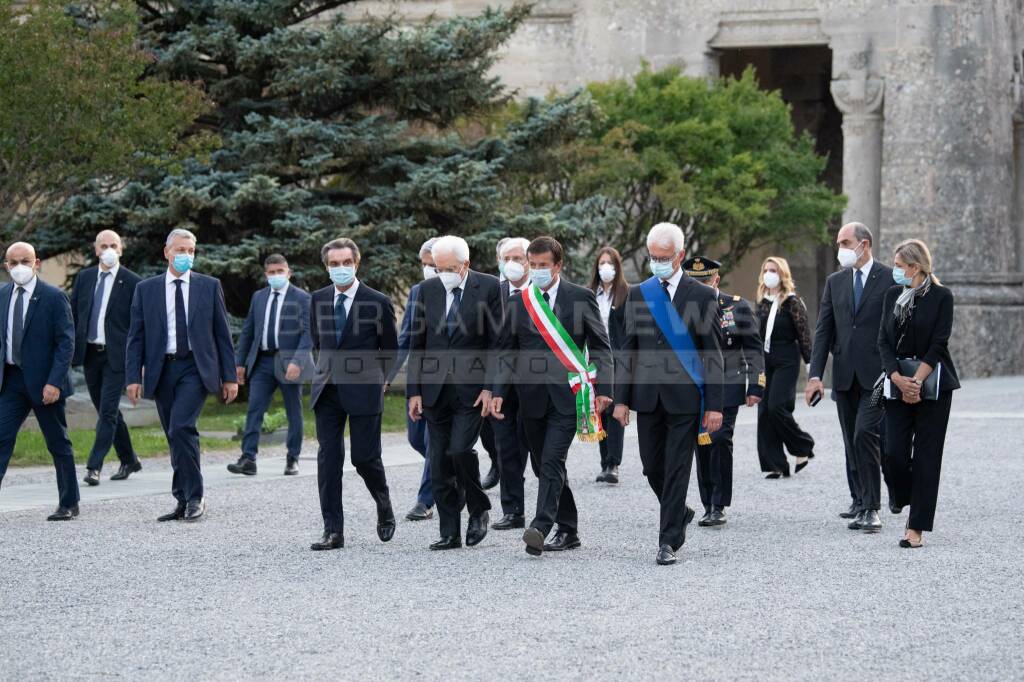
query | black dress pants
(777,430)
(667,442)
(513,452)
(106,384)
(714,463)
(915,436)
(860,425)
(549,438)
(611,446)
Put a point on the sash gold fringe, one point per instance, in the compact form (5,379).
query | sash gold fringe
(592,437)
(704,438)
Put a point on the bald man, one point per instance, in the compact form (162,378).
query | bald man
(101,302)
(37,340)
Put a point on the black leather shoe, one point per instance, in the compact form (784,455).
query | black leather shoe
(244,465)
(562,541)
(799,467)
(773,475)
(895,509)
(419,512)
(92,477)
(385,523)
(291,467)
(447,542)
(666,557)
(195,509)
(687,520)
(329,541)
(476,529)
(534,540)
(717,517)
(706,519)
(176,515)
(63,514)
(488,482)
(509,522)
(855,524)
(613,476)
(851,513)
(603,476)
(870,522)
(126,470)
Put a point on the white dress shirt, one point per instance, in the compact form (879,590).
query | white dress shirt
(277,320)
(25,298)
(169,288)
(449,297)
(512,288)
(865,271)
(604,303)
(673,282)
(108,286)
(552,292)
(350,293)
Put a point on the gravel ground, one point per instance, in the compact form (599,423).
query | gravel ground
(783,591)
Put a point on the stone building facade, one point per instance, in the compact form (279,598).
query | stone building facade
(919,103)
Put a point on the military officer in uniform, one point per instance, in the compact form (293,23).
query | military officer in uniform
(744,385)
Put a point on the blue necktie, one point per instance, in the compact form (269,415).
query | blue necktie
(453,312)
(18,328)
(272,329)
(858,289)
(180,321)
(340,317)
(97,304)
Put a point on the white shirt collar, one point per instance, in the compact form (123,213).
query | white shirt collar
(29,287)
(112,272)
(169,278)
(350,293)
(553,290)
(673,281)
(512,287)
(866,268)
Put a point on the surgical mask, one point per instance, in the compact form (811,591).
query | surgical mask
(771,279)
(109,257)
(429,272)
(847,257)
(606,272)
(277,281)
(450,280)
(183,262)
(342,275)
(514,271)
(22,274)
(662,270)
(899,275)
(541,277)
(501,268)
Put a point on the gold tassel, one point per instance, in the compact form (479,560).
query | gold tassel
(704,438)
(592,437)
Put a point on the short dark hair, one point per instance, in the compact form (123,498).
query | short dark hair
(274,259)
(546,245)
(342,243)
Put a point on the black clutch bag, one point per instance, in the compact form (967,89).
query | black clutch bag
(878,392)
(930,387)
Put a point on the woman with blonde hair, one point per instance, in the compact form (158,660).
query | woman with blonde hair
(787,339)
(914,344)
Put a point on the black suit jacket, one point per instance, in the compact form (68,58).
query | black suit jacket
(118,317)
(646,368)
(927,333)
(369,347)
(48,342)
(525,359)
(293,340)
(851,336)
(465,358)
(742,351)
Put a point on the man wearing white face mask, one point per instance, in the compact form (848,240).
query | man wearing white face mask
(101,301)
(848,321)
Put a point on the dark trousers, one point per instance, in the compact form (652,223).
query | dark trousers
(364,438)
(667,442)
(416,433)
(262,383)
(15,405)
(860,424)
(180,396)
(611,445)
(549,438)
(106,384)
(915,436)
(513,451)
(489,441)
(714,464)
(453,427)
(777,430)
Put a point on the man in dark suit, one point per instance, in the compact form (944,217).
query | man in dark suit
(547,403)
(273,349)
(848,321)
(354,333)
(449,383)
(101,302)
(179,351)
(650,379)
(37,341)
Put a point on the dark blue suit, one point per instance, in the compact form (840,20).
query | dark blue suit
(348,386)
(46,349)
(265,369)
(104,365)
(180,385)
(416,431)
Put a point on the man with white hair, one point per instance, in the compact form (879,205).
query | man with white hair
(669,370)
(179,352)
(449,381)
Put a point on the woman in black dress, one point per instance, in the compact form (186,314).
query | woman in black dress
(914,344)
(787,340)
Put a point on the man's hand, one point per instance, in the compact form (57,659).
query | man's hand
(712,421)
(813,386)
(240,375)
(51,394)
(229,391)
(753,400)
(416,408)
(603,402)
(291,374)
(496,403)
(621,414)
(134,393)
(484,401)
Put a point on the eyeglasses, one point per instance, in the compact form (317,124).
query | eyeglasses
(667,259)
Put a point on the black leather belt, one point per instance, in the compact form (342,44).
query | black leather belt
(174,356)
(98,347)
(267,353)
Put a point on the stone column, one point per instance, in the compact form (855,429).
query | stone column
(860,101)
(1018,158)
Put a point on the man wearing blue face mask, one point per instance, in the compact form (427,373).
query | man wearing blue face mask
(273,349)
(179,351)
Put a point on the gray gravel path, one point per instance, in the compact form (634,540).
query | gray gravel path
(783,592)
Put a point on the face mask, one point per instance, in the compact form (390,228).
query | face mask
(277,281)
(342,275)
(429,272)
(514,271)
(183,262)
(541,277)
(606,272)
(501,268)
(899,275)
(847,257)
(771,279)
(450,280)
(22,274)
(662,270)
(109,257)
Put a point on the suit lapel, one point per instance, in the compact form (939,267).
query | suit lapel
(5,300)
(869,285)
(353,311)
(89,283)
(33,303)
(434,309)
(470,295)
(162,303)
(193,300)
(262,297)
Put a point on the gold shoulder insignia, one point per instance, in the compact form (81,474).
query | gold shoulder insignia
(761,380)
(736,297)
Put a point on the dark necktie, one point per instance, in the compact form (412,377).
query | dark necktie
(513,293)
(664,285)
(858,289)
(272,328)
(340,318)
(453,311)
(180,321)
(18,327)
(97,303)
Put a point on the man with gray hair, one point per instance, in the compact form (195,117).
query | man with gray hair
(180,351)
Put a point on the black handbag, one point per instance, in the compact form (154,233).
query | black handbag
(878,392)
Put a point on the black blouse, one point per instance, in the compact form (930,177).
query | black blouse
(791,324)
(924,336)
